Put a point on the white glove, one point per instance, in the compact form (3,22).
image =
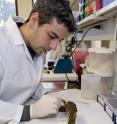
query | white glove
(47,105)
(59,96)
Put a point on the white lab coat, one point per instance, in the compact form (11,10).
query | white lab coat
(19,74)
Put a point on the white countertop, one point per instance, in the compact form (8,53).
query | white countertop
(89,111)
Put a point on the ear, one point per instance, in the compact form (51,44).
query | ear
(34,18)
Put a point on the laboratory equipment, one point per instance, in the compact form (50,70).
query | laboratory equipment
(91,61)
(63,65)
(101,61)
(104,62)
(91,84)
(109,103)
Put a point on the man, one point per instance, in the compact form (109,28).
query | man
(22,52)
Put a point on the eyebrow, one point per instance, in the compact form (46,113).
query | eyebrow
(56,35)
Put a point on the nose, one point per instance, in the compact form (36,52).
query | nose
(54,44)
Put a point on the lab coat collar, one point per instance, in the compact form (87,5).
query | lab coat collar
(15,34)
(13,31)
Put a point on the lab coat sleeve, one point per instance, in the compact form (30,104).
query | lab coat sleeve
(39,92)
(40,89)
(10,113)
(1,71)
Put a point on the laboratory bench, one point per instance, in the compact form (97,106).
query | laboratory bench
(58,76)
(89,111)
(59,81)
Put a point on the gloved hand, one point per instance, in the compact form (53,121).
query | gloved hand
(59,96)
(47,105)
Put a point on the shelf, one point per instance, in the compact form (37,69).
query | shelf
(101,15)
(111,8)
(59,77)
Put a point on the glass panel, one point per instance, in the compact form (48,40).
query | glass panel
(7,7)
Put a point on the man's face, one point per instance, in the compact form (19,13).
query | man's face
(47,36)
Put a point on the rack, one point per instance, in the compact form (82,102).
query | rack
(101,15)
(109,103)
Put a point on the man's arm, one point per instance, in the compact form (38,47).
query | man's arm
(1,71)
(10,113)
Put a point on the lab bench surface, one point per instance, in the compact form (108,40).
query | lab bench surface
(89,111)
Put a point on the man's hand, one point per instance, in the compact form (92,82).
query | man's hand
(59,96)
(47,105)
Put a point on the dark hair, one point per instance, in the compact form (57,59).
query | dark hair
(60,9)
